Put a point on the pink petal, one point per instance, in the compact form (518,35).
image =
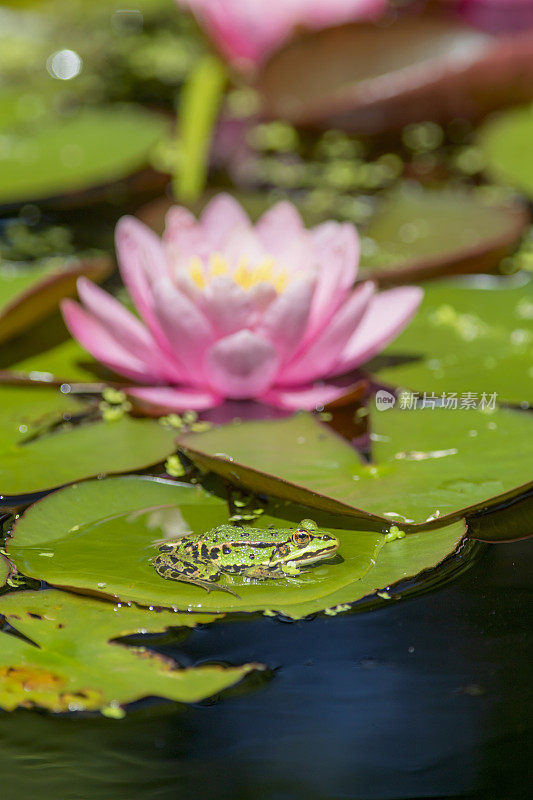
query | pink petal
(337,254)
(242,365)
(126,329)
(262,295)
(318,359)
(285,320)
(141,260)
(304,398)
(187,330)
(220,217)
(228,307)
(133,233)
(283,217)
(97,340)
(240,30)
(159,400)
(179,221)
(283,236)
(243,243)
(387,315)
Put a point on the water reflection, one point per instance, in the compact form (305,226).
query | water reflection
(422,699)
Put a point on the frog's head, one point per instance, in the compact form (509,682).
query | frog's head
(307,543)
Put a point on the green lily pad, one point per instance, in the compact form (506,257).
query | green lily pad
(30,292)
(71,664)
(505,141)
(46,353)
(101,536)
(466,339)
(421,233)
(5,571)
(35,455)
(89,148)
(429,466)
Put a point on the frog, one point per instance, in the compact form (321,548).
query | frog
(253,553)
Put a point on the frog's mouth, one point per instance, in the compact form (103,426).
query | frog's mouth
(311,558)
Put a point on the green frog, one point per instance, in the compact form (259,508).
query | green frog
(251,552)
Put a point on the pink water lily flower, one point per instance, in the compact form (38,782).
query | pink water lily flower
(235,310)
(246,31)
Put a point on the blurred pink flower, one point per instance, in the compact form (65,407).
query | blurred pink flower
(246,31)
(233,310)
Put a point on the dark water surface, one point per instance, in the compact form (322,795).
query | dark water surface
(422,698)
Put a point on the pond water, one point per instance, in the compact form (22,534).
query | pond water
(425,698)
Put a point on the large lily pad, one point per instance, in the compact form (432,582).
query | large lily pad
(99,537)
(420,233)
(70,664)
(30,292)
(429,465)
(505,141)
(35,455)
(46,353)
(466,339)
(377,78)
(90,148)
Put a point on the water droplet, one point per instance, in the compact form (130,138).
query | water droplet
(223,456)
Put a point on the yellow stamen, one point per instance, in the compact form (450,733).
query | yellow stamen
(244,275)
(196,271)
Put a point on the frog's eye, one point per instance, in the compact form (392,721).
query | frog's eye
(300,538)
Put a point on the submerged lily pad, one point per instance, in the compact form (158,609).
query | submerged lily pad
(466,339)
(40,449)
(30,292)
(421,233)
(90,148)
(101,536)
(429,465)
(71,663)
(505,141)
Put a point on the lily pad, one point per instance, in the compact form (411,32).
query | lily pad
(377,78)
(40,449)
(71,664)
(512,522)
(90,148)
(100,537)
(45,353)
(466,339)
(30,292)
(429,466)
(505,141)
(5,571)
(421,233)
